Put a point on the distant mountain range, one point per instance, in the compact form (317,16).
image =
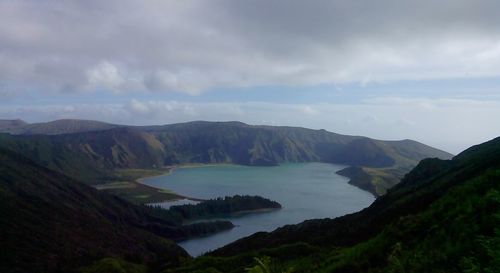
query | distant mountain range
(57,127)
(88,150)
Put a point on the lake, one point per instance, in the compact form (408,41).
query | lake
(305,190)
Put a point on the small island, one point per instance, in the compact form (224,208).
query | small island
(227,206)
(195,220)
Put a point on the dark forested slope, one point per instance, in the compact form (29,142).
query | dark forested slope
(51,223)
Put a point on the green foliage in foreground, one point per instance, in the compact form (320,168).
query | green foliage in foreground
(456,234)
(113,265)
(263,265)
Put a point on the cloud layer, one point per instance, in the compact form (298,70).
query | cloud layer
(193,46)
(89,59)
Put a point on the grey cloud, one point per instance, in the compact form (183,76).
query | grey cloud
(192,46)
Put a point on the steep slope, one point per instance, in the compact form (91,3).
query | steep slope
(260,145)
(378,165)
(51,223)
(89,156)
(442,217)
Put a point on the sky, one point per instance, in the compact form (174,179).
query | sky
(422,70)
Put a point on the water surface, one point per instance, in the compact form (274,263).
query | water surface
(305,190)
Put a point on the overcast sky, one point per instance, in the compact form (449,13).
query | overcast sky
(424,70)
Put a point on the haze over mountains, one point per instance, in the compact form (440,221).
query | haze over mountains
(90,149)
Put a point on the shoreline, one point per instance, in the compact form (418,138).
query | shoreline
(363,183)
(168,171)
(359,178)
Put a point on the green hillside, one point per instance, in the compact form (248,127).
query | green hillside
(444,216)
(52,223)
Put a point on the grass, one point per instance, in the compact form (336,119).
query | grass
(385,178)
(139,193)
(127,185)
(134,174)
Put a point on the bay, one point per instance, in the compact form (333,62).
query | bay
(305,190)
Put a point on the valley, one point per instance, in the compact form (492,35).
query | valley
(249,136)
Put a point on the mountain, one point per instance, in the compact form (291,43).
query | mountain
(93,149)
(57,127)
(89,156)
(10,124)
(444,216)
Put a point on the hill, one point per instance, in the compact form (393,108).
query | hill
(9,124)
(93,154)
(52,223)
(442,217)
(57,127)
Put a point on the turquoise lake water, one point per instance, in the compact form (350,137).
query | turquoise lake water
(305,190)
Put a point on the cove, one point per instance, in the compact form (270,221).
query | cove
(305,190)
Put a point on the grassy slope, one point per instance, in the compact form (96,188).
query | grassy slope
(443,217)
(96,158)
(136,192)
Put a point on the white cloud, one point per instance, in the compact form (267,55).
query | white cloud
(189,81)
(105,75)
(137,107)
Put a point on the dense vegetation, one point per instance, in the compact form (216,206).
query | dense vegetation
(223,206)
(91,150)
(52,223)
(443,217)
